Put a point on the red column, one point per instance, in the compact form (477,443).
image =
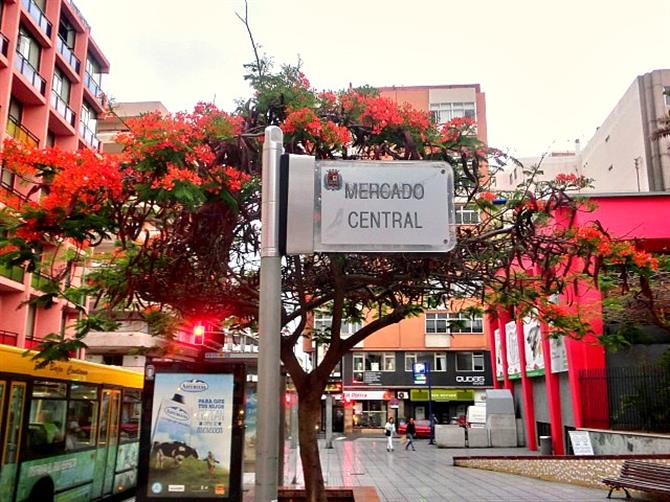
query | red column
(503,318)
(553,395)
(527,389)
(492,323)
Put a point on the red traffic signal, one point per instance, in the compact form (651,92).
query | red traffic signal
(199,334)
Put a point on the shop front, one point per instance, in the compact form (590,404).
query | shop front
(367,409)
(448,404)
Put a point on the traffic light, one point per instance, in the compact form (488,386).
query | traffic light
(288,399)
(199,334)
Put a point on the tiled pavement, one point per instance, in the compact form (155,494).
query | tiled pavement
(428,475)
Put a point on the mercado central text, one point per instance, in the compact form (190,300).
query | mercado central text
(384,191)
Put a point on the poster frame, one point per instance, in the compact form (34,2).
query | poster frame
(238,370)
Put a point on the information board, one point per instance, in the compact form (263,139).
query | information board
(581,442)
(192,434)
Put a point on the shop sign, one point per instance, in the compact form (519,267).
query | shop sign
(402,394)
(443,395)
(365,395)
(471,379)
(498,347)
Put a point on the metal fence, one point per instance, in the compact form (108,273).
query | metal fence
(635,398)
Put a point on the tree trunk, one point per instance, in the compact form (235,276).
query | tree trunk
(309,409)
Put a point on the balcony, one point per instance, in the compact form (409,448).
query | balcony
(30,73)
(79,14)
(13,273)
(38,16)
(42,282)
(20,133)
(62,108)
(8,338)
(68,55)
(89,136)
(93,86)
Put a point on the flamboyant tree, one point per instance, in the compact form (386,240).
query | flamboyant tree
(170,228)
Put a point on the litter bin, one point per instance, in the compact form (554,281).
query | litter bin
(545,445)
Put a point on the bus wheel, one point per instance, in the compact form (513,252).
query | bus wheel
(43,491)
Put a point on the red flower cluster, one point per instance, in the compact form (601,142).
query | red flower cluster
(487,196)
(305,120)
(451,131)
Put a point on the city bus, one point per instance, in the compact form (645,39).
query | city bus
(69,431)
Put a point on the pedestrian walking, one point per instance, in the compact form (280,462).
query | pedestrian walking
(389,431)
(411,432)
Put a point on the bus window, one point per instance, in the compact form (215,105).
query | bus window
(14,418)
(82,413)
(131,411)
(46,428)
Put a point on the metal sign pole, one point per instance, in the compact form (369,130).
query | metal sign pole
(429,376)
(329,420)
(269,347)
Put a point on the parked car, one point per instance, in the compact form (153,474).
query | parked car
(422,428)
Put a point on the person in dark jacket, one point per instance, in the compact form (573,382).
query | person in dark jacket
(411,432)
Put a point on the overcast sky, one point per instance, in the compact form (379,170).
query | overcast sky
(551,70)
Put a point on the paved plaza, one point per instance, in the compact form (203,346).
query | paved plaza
(428,475)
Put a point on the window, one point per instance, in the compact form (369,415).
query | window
(389,362)
(666,91)
(66,32)
(14,423)
(467,216)
(88,117)
(28,47)
(113,359)
(131,412)
(82,416)
(444,112)
(61,85)
(469,361)
(440,361)
(464,323)
(16,110)
(372,361)
(48,411)
(30,322)
(323,323)
(410,360)
(437,323)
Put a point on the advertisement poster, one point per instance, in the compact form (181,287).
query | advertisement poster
(191,433)
(250,430)
(559,357)
(532,341)
(499,362)
(513,360)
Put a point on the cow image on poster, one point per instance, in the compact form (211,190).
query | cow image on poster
(177,451)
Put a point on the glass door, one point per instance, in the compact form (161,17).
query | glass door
(112,440)
(12,439)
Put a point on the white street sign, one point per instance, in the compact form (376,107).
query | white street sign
(384,206)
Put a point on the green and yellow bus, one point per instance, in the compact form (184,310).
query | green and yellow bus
(68,432)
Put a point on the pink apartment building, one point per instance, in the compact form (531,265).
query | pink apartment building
(50,95)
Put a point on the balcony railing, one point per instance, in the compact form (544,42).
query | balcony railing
(93,86)
(79,14)
(4,44)
(89,136)
(39,17)
(61,107)
(8,338)
(14,273)
(29,71)
(67,53)
(19,132)
(42,282)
